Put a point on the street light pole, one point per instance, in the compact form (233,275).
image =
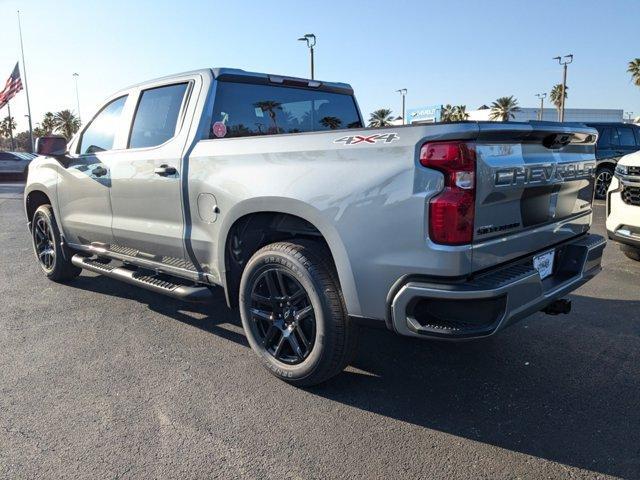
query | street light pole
(75,77)
(564,63)
(310,38)
(630,116)
(541,96)
(403,92)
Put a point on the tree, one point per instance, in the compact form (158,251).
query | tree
(556,95)
(270,107)
(66,123)
(504,108)
(45,127)
(7,126)
(634,70)
(380,118)
(460,113)
(331,122)
(446,114)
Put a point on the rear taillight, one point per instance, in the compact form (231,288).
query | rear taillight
(451,212)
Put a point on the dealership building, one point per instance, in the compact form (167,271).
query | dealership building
(433,114)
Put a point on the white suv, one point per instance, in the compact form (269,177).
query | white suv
(623,206)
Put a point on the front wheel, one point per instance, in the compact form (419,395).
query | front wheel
(603,180)
(48,247)
(293,313)
(631,252)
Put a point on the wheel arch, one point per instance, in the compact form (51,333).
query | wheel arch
(292,219)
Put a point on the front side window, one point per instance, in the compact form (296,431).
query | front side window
(626,137)
(99,135)
(157,115)
(243,109)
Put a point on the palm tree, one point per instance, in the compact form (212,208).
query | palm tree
(66,123)
(503,109)
(7,126)
(270,107)
(460,113)
(634,70)
(380,118)
(331,122)
(556,95)
(446,114)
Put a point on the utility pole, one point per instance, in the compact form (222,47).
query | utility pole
(541,96)
(310,38)
(564,61)
(75,77)
(403,92)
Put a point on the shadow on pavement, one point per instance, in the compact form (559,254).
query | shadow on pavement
(563,390)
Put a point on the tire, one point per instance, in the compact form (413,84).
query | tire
(632,253)
(48,248)
(293,313)
(603,179)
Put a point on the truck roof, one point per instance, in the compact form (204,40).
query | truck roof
(243,76)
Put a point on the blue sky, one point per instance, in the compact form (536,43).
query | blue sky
(459,52)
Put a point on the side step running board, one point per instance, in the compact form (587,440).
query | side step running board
(150,282)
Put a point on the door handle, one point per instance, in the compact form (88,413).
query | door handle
(99,171)
(165,170)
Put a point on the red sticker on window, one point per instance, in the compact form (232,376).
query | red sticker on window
(219,129)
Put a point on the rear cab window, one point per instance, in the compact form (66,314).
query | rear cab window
(245,109)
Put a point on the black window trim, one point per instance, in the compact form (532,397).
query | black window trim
(181,113)
(84,130)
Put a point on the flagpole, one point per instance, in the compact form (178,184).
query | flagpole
(13,145)
(26,88)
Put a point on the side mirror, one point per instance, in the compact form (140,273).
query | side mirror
(52,146)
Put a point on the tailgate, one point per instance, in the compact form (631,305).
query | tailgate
(534,188)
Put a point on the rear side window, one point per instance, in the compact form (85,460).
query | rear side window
(604,140)
(625,134)
(157,115)
(99,135)
(243,109)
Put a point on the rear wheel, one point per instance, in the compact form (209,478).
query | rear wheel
(603,179)
(48,248)
(293,313)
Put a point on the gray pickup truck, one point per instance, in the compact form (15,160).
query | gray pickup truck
(270,188)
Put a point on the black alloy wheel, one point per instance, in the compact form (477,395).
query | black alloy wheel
(44,243)
(282,315)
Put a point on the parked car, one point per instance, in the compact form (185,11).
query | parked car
(270,188)
(614,141)
(623,206)
(15,164)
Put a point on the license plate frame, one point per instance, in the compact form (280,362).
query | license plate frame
(543,263)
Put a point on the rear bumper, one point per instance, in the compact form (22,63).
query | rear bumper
(492,300)
(626,235)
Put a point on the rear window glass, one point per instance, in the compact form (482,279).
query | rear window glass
(243,109)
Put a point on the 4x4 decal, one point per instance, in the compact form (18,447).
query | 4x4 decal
(378,137)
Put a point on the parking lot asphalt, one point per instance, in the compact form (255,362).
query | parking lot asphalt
(102,380)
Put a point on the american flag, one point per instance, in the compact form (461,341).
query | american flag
(12,87)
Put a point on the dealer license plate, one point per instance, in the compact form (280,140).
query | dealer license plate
(544,263)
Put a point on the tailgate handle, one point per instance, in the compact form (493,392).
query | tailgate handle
(557,140)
